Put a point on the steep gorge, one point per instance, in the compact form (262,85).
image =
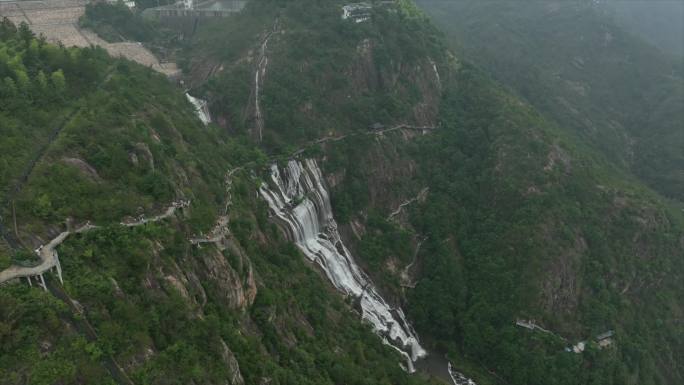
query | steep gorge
(494,215)
(301,202)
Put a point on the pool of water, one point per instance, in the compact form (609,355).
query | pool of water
(436,366)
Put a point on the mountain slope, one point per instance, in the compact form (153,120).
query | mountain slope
(576,65)
(539,228)
(516,205)
(319,75)
(469,208)
(144,301)
(520,221)
(659,22)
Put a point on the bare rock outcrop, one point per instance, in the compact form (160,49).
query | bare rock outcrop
(86,169)
(232,364)
(365,76)
(142,150)
(235,286)
(558,156)
(562,286)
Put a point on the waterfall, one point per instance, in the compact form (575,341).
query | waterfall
(458,378)
(436,71)
(201,108)
(259,76)
(298,198)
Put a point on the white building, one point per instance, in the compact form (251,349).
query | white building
(358,12)
(129,3)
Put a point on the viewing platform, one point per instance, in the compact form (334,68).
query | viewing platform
(207,9)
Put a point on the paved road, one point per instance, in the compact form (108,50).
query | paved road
(48,257)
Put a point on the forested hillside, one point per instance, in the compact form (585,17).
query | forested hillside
(113,140)
(322,76)
(475,185)
(659,22)
(575,64)
(558,235)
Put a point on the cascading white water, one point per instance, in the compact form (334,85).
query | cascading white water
(299,200)
(458,378)
(262,65)
(201,108)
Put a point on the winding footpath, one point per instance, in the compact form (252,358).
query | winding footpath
(49,259)
(326,139)
(421,196)
(220,229)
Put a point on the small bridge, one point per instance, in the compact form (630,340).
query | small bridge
(49,261)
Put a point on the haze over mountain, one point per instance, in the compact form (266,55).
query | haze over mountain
(574,63)
(314,192)
(660,22)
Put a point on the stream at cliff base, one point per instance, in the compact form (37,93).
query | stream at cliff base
(300,204)
(436,365)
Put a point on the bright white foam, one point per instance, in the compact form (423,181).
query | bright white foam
(300,201)
(201,108)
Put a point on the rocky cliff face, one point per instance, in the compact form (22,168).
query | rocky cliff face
(235,290)
(300,201)
(305,88)
(419,82)
(460,211)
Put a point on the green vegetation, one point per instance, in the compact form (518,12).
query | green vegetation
(121,139)
(530,213)
(37,345)
(125,283)
(528,217)
(385,247)
(522,221)
(5,260)
(578,67)
(526,220)
(659,23)
(128,142)
(503,225)
(40,87)
(346,77)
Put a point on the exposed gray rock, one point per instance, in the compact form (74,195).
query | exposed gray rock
(233,366)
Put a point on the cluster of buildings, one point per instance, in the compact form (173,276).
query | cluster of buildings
(603,340)
(129,3)
(357,12)
(198,9)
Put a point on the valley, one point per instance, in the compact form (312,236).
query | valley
(342,194)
